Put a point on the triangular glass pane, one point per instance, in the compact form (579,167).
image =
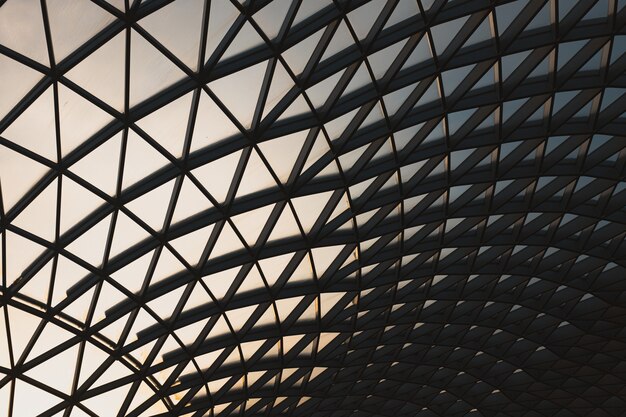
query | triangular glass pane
(239,91)
(178,27)
(150,71)
(256,177)
(152,206)
(247,38)
(35,129)
(282,153)
(216,177)
(100,167)
(191,201)
(39,217)
(21,29)
(76,203)
(212,125)
(102,72)
(17,80)
(271,17)
(191,246)
(90,245)
(251,223)
(79,119)
(141,160)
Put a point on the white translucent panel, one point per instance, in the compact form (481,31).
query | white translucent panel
(39,217)
(21,29)
(150,71)
(308,208)
(273,267)
(4,351)
(323,257)
(216,177)
(221,17)
(452,78)
(374,116)
(246,39)
(67,274)
(19,254)
(132,275)
(281,153)
(329,301)
(363,18)
(73,23)
(393,101)
(109,402)
(100,166)
(227,242)
(507,13)
(404,10)
(23,404)
(297,107)
(348,160)
(271,17)
(18,174)
(319,93)
(286,306)
(281,84)
(178,27)
(480,34)
(381,60)
(164,305)
(420,54)
(152,206)
(102,72)
(144,320)
(62,366)
(90,245)
(220,282)
(16,81)
(444,33)
(79,119)
(191,246)
(238,91)
(324,339)
(251,223)
(79,306)
(22,327)
(93,357)
(256,177)
(250,348)
(341,40)
(114,330)
(319,149)
(76,203)
(141,160)
(337,126)
(127,233)
(167,266)
(298,55)
(37,286)
(215,386)
(212,125)
(109,296)
(253,281)
(168,124)
(286,226)
(240,316)
(191,201)
(34,129)
(309,8)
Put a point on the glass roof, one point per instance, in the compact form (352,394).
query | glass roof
(312,208)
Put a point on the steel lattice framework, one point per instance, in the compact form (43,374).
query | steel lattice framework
(313,208)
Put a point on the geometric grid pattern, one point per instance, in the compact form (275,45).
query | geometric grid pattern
(313,208)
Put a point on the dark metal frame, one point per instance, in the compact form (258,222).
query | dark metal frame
(531,318)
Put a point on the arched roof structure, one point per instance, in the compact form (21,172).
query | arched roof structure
(386,208)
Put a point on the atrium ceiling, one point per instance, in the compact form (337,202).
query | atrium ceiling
(320,208)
